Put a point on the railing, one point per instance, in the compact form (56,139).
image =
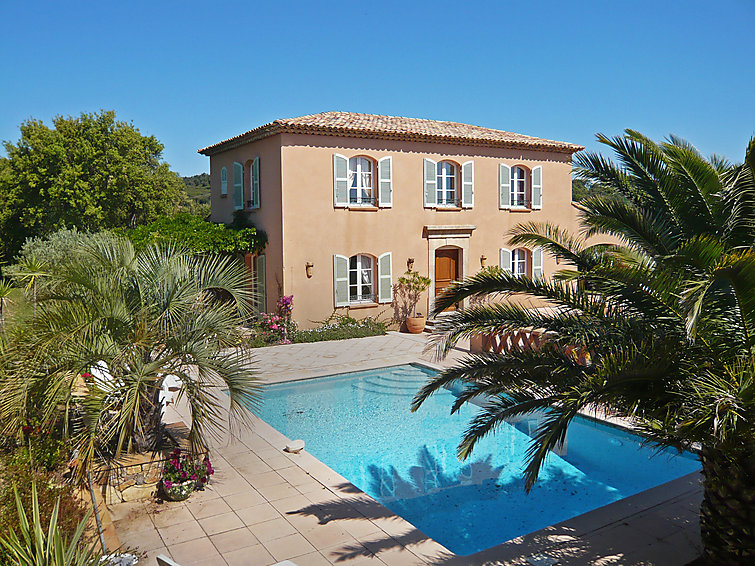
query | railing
(524,339)
(520,203)
(451,202)
(354,299)
(363,201)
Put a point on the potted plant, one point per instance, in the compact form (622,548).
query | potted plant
(409,288)
(179,477)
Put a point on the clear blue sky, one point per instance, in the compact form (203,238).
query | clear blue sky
(193,73)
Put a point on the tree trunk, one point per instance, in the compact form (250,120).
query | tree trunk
(727,514)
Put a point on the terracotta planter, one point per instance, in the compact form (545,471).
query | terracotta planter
(178,491)
(415,324)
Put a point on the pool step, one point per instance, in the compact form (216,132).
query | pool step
(382,390)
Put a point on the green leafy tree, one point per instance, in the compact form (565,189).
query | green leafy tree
(90,171)
(665,324)
(119,323)
(198,235)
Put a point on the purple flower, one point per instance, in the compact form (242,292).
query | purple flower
(184,475)
(168,484)
(193,477)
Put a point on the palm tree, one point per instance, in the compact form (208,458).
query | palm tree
(665,321)
(5,292)
(29,272)
(115,325)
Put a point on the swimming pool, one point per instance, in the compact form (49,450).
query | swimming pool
(359,424)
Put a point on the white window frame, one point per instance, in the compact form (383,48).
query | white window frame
(442,181)
(520,262)
(357,176)
(358,297)
(519,187)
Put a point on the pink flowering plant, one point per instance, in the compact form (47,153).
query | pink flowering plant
(277,327)
(182,474)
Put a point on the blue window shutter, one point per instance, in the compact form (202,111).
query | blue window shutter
(467,184)
(505,260)
(537,187)
(385,278)
(504,186)
(340,280)
(254,194)
(238,186)
(385,182)
(431,183)
(340,181)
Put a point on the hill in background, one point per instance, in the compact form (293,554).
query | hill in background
(198,188)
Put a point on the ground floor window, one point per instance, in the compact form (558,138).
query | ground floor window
(361,279)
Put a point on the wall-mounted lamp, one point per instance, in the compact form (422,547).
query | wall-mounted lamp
(409,264)
(483,260)
(309,265)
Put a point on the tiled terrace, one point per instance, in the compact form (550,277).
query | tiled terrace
(266,506)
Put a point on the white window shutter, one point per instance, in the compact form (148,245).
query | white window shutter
(537,263)
(260,284)
(340,280)
(254,194)
(505,259)
(537,187)
(385,278)
(385,182)
(340,180)
(467,184)
(504,186)
(238,186)
(431,183)
(224,181)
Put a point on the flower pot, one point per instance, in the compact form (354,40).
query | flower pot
(415,324)
(177,491)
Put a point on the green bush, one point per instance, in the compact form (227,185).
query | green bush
(341,327)
(197,234)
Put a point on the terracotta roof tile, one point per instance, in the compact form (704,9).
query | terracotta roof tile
(351,124)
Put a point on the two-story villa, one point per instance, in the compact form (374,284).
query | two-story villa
(348,201)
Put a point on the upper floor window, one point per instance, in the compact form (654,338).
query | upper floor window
(253,202)
(520,187)
(224,181)
(445,188)
(446,184)
(238,186)
(360,181)
(519,262)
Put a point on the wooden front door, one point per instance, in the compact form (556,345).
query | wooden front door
(446,270)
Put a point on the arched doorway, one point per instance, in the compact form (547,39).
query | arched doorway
(447,269)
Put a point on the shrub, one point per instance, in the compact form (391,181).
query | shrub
(341,327)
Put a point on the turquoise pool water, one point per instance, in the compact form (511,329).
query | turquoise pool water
(359,424)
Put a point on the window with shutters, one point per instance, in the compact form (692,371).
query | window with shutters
(520,187)
(361,182)
(361,279)
(520,262)
(253,188)
(445,184)
(224,181)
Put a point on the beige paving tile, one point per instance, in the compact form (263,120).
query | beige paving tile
(312,559)
(204,509)
(326,536)
(279,491)
(167,516)
(231,486)
(278,462)
(195,552)
(258,514)
(234,540)
(151,555)
(255,555)
(133,524)
(399,557)
(296,476)
(349,555)
(221,523)
(181,533)
(265,479)
(271,530)
(132,509)
(291,504)
(244,499)
(142,540)
(289,546)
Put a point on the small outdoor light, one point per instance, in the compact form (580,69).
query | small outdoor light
(409,263)
(483,260)
(309,265)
